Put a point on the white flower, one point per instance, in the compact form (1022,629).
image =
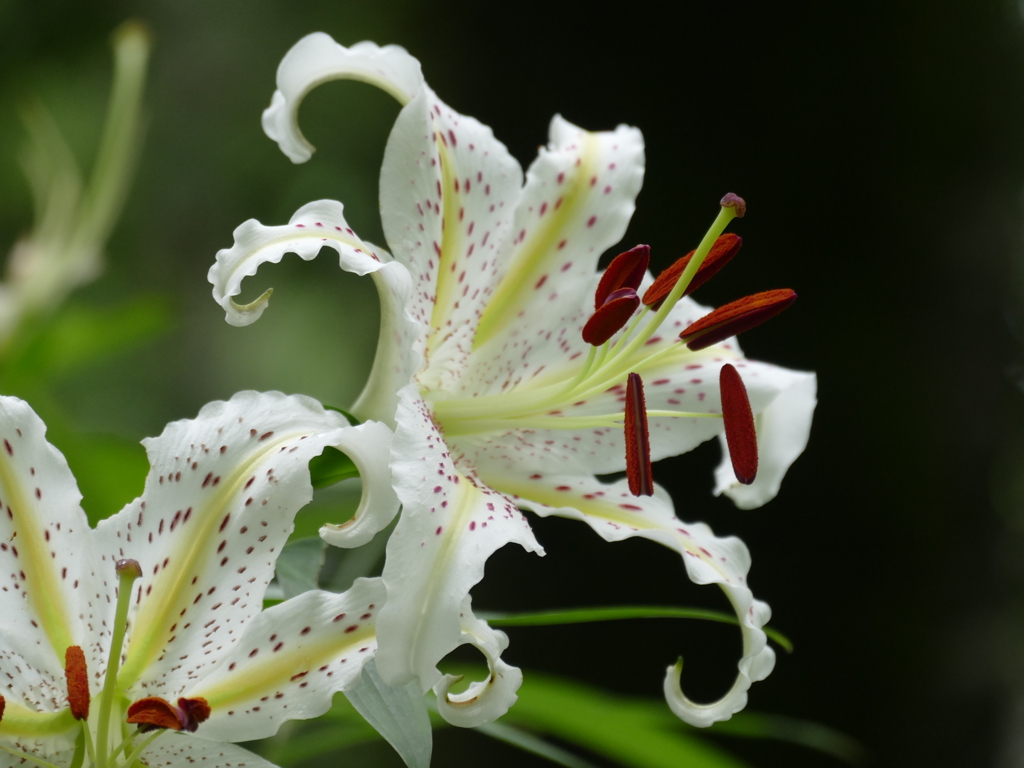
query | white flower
(175,635)
(498,402)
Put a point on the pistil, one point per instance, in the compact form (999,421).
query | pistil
(127,571)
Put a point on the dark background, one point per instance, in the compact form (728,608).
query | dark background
(880,147)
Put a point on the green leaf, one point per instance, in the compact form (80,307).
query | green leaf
(111,471)
(298,566)
(78,335)
(637,733)
(330,467)
(803,732)
(613,613)
(398,712)
(533,744)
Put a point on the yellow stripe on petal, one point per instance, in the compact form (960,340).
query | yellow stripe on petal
(21,722)
(530,261)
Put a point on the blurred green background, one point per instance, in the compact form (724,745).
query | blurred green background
(880,147)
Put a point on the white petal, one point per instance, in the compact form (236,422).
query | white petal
(217,508)
(181,749)
(46,749)
(314,226)
(448,191)
(783,429)
(615,514)
(448,528)
(483,701)
(290,661)
(317,59)
(580,194)
(49,598)
(369,447)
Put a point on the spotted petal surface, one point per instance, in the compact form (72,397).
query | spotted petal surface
(178,749)
(290,661)
(448,527)
(217,508)
(52,588)
(615,514)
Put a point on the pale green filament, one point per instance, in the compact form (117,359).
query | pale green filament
(126,578)
(604,367)
(27,756)
(137,752)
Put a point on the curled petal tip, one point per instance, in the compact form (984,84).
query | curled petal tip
(128,568)
(736,317)
(78,682)
(739,424)
(249,313)
(735,201)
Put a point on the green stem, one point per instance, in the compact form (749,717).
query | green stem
(137,752)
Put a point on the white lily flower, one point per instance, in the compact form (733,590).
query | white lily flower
(64,250)
(502,404)
(155,616)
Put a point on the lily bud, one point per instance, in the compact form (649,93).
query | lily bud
(736,317)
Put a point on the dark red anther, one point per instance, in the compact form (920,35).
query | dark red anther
(736,317)
(626,271)
(739,424)
(735,201)
(154,712)
(638,443)
(3,706)
(725,247)
(611,316)
(78,682)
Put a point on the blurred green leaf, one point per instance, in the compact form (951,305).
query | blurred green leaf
(613,613)
(398,712)
(298,566)
(110,470)
(803,732)
(79,334)
(534,745)
(330,467)
(638,733)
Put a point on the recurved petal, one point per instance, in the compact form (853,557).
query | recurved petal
(314,226)
(290,661)
(448,527)
(179,749)
(317,59)
(579,196)
(783,428)
(615,514)
(218,505)
(369,447)
(486,700)
(448,191)
(47,553)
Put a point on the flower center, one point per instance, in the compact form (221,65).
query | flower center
(106,739)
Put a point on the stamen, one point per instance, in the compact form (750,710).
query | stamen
(638,444)
(736,317)
(154,712)
(739,424)
(78,682)
(3,706)
(626,271)
(611,316)
(721,253)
